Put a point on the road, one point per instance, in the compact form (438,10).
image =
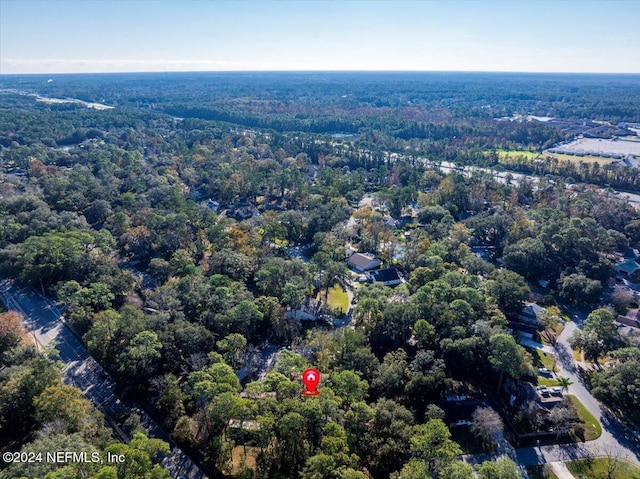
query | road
(504,176)
(615,438)
(44,320)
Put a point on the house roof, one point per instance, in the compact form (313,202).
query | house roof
(361,260)
(384,275)
(628,266)
(532,310)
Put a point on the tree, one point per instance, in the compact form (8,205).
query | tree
(503,468)
(424,333)
(334,459)
(53,443)
(550,320)
(486,423)
(18,392)
(432,443)
(621,299)
(62,402)
(563,419)
(579,289)
(614,457)
(457,470)
(385,443)
(528,257)
(619,384)
(349,386)
(505,356)
(140,359)
(599,335)
(139,456)
(414,469)
(291,450)
(509,290)
(564,383)
(232,347)
(11,330)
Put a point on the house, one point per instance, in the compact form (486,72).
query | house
(460,412)
(308,311)
(631,253)
(244,212)
(363,262)
(531,313)
(388,277)
(632,318)
(627,267)
(212,204)
(536,402)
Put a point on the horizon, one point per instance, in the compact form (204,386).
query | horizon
(390,72)
(62,37)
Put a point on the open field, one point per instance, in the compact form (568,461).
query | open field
(530,155)
(599,468)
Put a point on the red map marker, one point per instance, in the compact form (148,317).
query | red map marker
(311,378)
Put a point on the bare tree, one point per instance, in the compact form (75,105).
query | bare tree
(562,419)
(614,457)
(486,423)
(621,299)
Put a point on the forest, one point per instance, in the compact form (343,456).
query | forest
(165,227)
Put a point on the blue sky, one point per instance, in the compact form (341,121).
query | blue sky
(518,35)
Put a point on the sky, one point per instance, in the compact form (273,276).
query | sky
(80,36)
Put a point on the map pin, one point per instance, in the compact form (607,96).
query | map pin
(311,378)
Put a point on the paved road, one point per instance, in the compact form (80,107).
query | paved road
(614,434)
(43,319)
(615,438)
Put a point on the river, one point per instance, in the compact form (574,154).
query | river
(50,100)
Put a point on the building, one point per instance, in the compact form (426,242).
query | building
(243,212)
(361,262)
(632,318)
(388,277)
(308,311)
(627,268)
(531,313)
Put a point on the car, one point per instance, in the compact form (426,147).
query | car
(544,372)
(556,391)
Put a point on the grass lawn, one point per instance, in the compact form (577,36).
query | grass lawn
(515,153)
(592,428)
(577,355)
(540,472)
(541,359)
(549,382)
(337,299)
(597,469)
